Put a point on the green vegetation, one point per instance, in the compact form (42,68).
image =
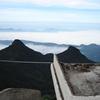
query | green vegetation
(48,97)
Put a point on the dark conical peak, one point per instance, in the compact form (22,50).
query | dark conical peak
(17,43)
(72,48)
(73,55)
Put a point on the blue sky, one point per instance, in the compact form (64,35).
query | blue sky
(85,13)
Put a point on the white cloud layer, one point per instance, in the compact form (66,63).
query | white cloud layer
(66,3)
(79,37)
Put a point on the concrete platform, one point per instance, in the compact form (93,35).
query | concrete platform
(61,84)
(20,94)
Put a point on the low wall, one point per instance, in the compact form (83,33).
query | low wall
(56,87)
(20,94)
(66,92)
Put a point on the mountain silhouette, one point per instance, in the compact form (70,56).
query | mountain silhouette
(92,51)
(17,51)
(73,55)
(25,75)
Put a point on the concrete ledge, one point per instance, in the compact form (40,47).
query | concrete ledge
(20,94)
(58,94)
(65,89)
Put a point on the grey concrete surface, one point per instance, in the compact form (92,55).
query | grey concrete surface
(66,91)
(20,94)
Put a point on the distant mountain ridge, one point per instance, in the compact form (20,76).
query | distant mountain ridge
(92,51)
(33,42)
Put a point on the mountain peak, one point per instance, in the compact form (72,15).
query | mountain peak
(17,43)
(19,52)
(71,48)
(73,55)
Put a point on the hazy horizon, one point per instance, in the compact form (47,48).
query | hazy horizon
(57,21)
(55,37)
